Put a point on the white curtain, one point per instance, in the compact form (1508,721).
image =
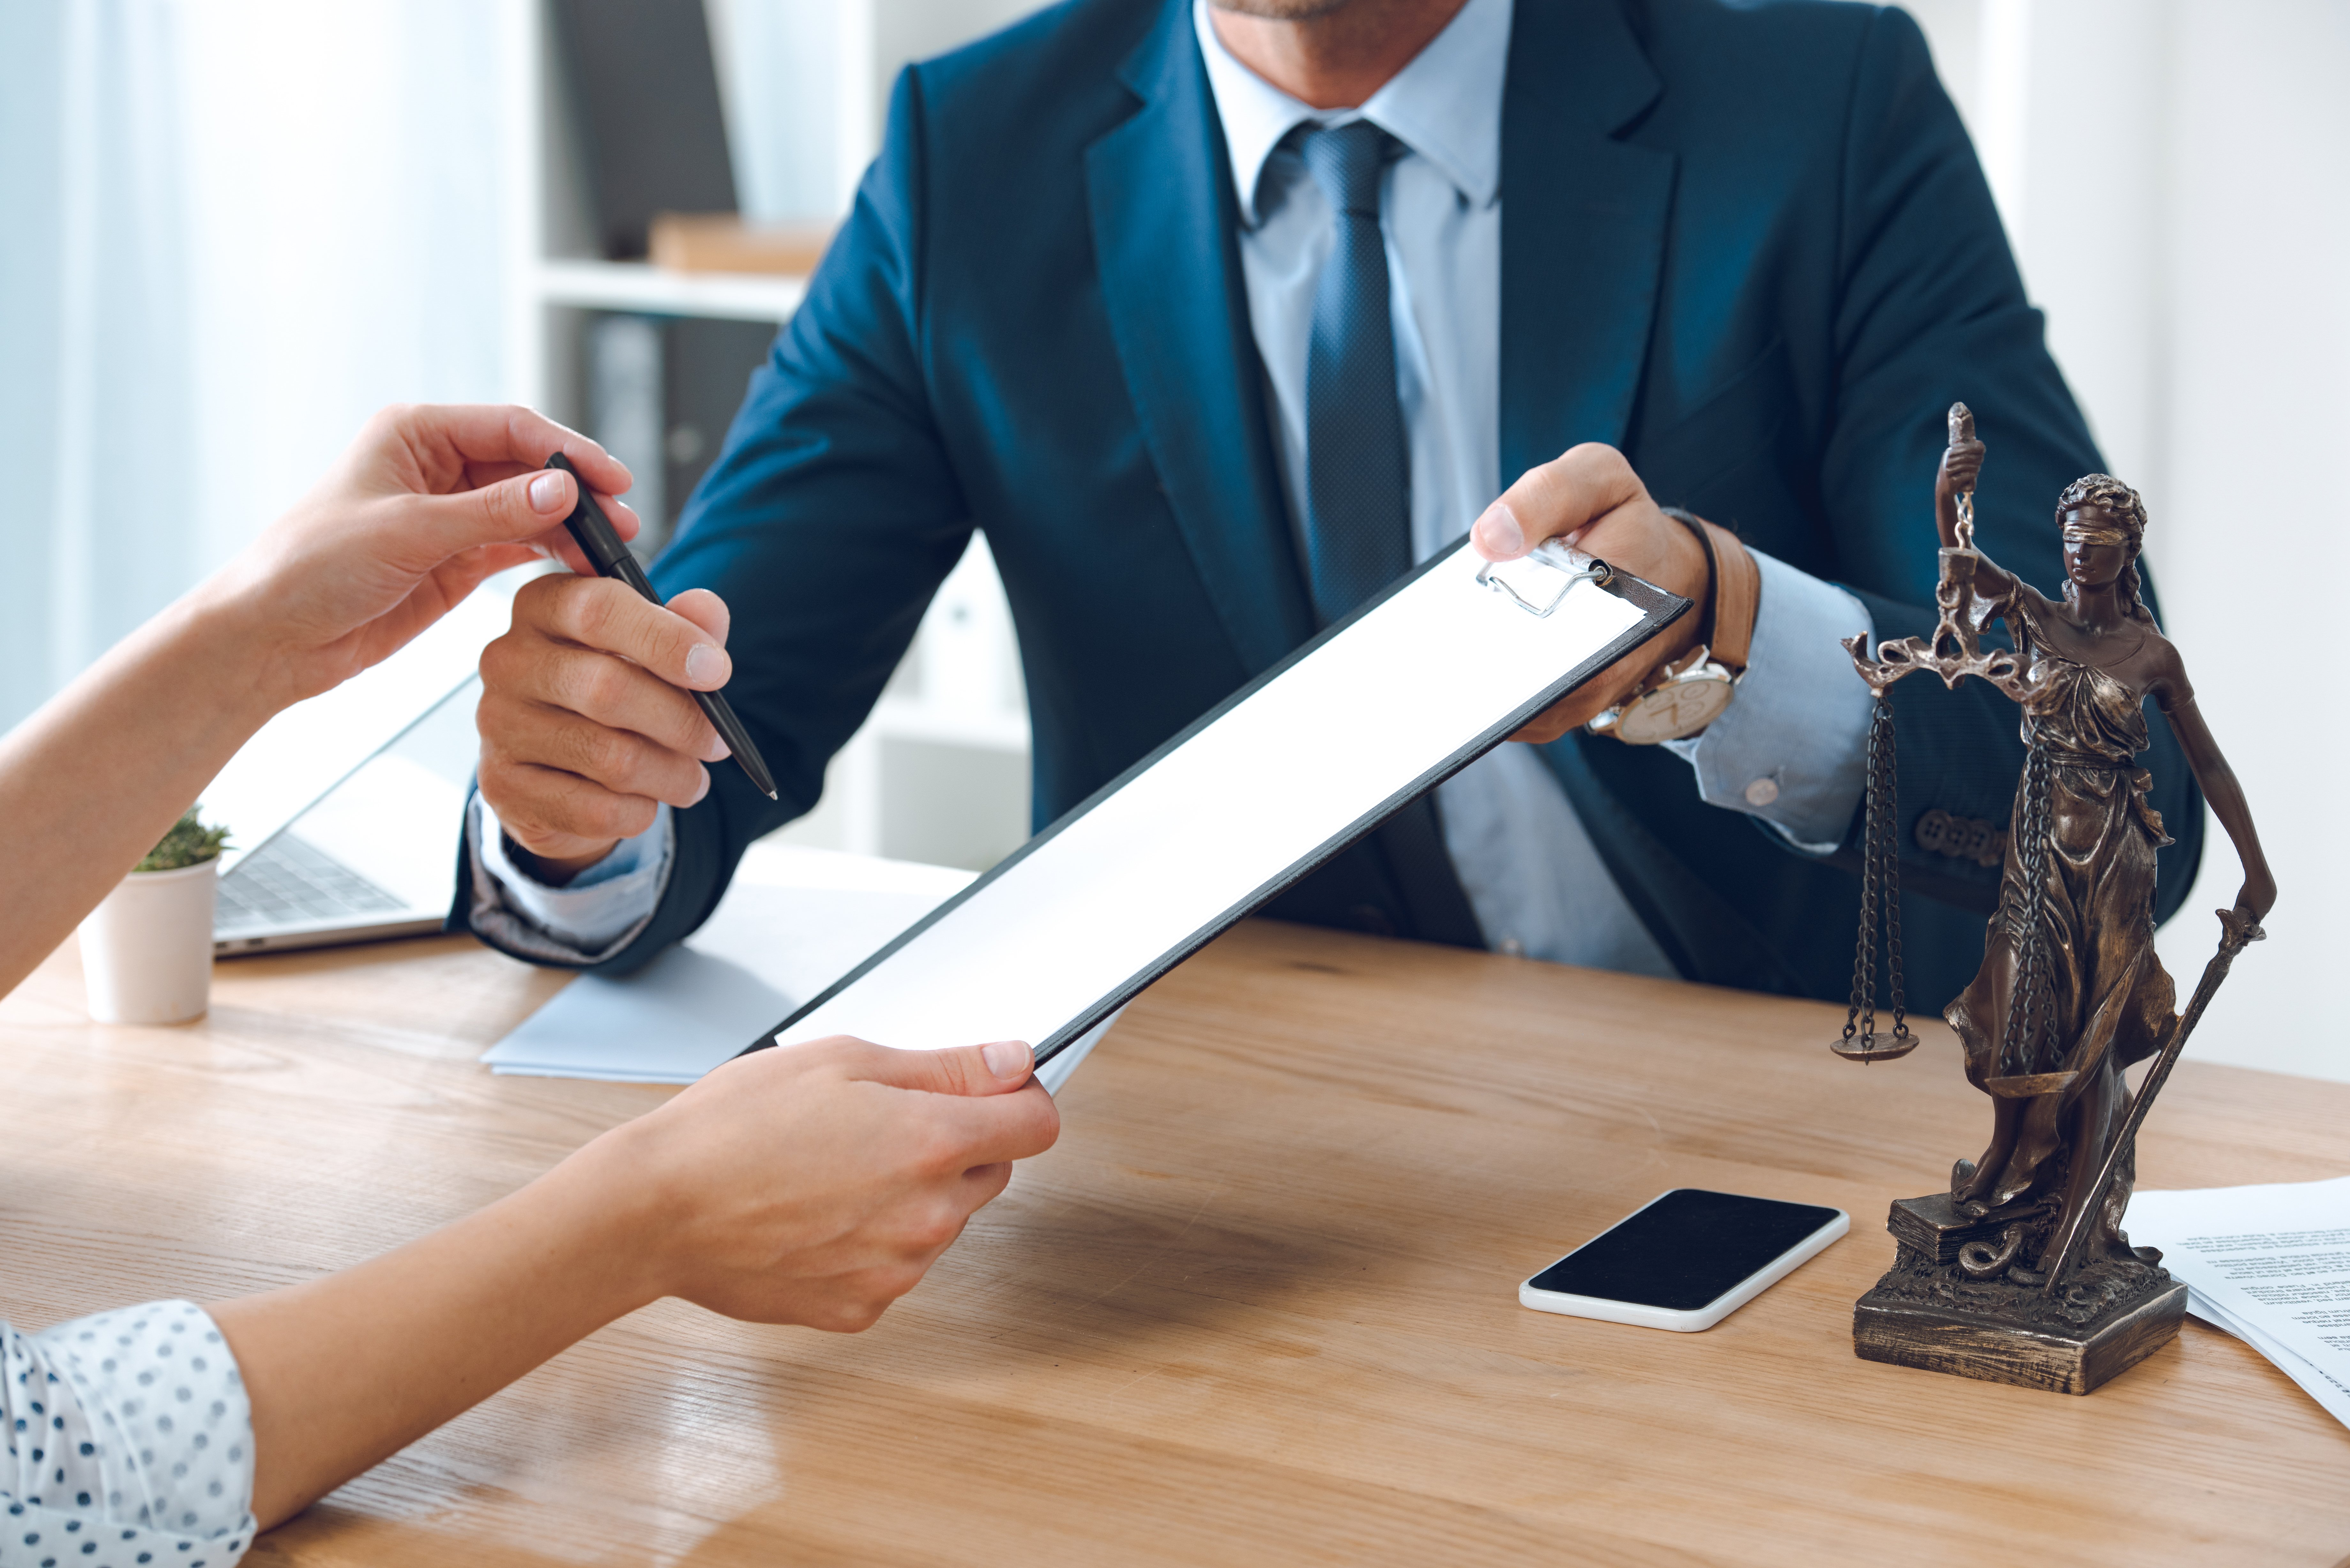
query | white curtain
(229,231)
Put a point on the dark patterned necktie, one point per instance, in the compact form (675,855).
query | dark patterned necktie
(1357,464)
(1359,511)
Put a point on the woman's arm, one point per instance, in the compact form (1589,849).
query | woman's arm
(2220,788)
(812,1184)
(424,505)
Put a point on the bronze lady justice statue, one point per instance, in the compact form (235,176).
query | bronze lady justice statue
(2070,992)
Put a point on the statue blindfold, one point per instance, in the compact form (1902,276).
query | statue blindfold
(2078,530)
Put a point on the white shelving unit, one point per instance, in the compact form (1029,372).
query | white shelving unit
(641,286)
(939,772)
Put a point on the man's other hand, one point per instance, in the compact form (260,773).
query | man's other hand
(1590,499)
(586,719)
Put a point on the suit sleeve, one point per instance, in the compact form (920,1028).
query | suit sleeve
(827,524)
(1932,311)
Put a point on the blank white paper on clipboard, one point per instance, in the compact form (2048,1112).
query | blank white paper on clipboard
(1381,707)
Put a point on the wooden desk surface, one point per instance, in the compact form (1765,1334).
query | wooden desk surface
(1259,1305)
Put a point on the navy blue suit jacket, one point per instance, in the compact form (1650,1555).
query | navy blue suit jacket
(1750,245)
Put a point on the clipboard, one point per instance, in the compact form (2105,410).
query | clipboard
(1383,706)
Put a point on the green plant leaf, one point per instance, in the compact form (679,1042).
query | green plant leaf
(189,842)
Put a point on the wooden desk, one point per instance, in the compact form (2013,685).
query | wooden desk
(1259,1305)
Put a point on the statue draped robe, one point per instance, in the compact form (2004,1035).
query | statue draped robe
(2110,998)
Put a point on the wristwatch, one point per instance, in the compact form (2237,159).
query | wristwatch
(1683,696)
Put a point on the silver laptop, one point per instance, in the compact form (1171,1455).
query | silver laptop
(375,857)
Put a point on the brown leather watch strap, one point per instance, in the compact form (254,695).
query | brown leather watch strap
(1728,627)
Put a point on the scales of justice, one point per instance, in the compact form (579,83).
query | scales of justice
(2021,1272)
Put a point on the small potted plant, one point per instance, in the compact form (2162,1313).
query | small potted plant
(147,950)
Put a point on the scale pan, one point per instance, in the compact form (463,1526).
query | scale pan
(1874,1047)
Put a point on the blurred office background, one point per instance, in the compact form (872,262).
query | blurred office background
(233,228)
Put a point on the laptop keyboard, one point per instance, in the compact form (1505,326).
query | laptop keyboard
(288,883)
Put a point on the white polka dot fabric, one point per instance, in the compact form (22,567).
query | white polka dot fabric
(129,1442)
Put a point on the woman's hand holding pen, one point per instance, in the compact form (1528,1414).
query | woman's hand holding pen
(427,502)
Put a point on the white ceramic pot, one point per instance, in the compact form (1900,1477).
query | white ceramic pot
(147,950)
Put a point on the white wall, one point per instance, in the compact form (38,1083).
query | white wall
(228,247)
(806,84)
(2176,177)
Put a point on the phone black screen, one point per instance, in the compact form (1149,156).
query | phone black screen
(1686,1250)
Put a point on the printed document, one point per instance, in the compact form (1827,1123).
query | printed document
(2270,1265)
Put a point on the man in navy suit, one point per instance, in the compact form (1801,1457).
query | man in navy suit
(1216,316)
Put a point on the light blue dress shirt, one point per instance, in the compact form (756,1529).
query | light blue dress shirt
(1789,749)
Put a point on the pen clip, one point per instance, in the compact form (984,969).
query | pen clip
(1538,581)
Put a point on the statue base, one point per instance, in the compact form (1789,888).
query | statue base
(1928,1312)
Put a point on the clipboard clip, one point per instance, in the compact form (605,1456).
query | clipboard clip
(1538,581)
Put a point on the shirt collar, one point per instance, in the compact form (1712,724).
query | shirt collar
(1446,105)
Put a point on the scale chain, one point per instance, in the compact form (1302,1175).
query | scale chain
(2026,1018)
(1880,897)
(1892,880)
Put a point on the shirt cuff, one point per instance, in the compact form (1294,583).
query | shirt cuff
(593,915)
(130,1435)
(1792,747)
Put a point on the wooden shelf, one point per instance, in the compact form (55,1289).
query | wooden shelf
(992,729)
(954,784)
(639,286)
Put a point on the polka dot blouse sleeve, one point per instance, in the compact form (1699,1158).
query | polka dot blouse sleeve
(129,1442)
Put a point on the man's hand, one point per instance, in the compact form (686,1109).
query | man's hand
(817,1183)
(1590,498)
(586,718)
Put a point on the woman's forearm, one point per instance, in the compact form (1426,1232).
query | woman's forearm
(344,1371)
(92,780)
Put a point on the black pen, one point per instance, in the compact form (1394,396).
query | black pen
(592,531)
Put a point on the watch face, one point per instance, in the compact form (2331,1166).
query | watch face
(1676,708)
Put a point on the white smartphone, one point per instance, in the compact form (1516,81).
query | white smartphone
(1685,1261)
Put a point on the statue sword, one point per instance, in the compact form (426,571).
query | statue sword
(2236,933)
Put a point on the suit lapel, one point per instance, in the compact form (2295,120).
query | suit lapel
(1165,238)
(1583,229)
(1583,239)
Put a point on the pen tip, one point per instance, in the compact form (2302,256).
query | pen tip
(774,796)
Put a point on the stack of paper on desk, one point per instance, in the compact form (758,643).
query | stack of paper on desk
(2268,1264)
(793,921)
